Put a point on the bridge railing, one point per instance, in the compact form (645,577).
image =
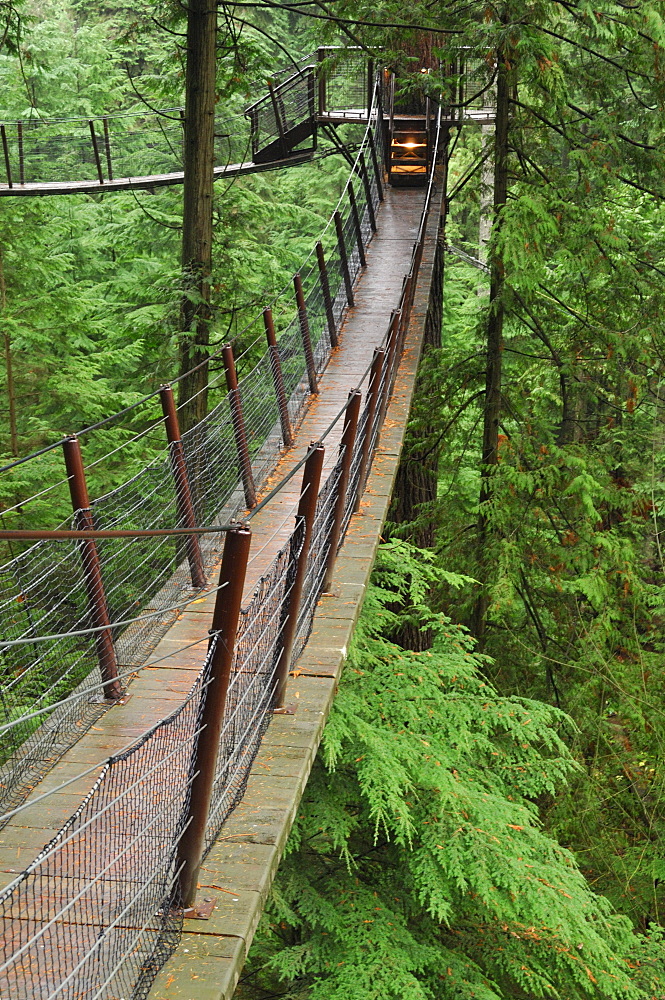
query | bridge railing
(146,143)
(206,476)
(101,907)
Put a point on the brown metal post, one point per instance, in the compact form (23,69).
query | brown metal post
(92,569)
(183,495)
(356,225)
(239,430)
(21,161)
(204,764)
(391,354)
(304,333)
(370,85)
(307,510)
(5,149)
(375,165)
(344,260)
(321,55)
(279,121)
(327,299)
(95,149)
(368,191)
(347,443)
(107,148)
(278,379)
(372,400)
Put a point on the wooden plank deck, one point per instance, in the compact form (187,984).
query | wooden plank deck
(157,691)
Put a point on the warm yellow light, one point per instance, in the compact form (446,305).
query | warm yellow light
(409,145)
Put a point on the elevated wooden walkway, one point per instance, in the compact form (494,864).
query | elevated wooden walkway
(159,690)
(148,183)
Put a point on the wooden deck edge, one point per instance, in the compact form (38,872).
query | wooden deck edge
(238,872)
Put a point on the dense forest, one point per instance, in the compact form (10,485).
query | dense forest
(486,816)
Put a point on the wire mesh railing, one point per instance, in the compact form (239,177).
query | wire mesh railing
(146,143)
(100,908)
(46,589)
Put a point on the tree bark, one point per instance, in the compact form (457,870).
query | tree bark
(494,349)
(199,153)
(417,474)
(9,368)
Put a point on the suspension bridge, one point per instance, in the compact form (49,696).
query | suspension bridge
(170,652)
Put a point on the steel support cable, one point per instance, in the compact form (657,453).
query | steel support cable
(6,643)
(102,684)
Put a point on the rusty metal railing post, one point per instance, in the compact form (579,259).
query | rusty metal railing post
(375,165)
(320,56)
(356,225)
(5,149)
(95,149)
(304,333)
(279,122)
(21,158)
(306,511)
(391,358)
(239,429)
(347,443)
(370,85)
(92,570)
(375,374)
(343,257)
(183,494)
(368,191)
(327,299)
(203,767)
(107,149)
(278,379)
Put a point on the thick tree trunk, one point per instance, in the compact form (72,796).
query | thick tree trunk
(417,475)
(494,349)
(197,208)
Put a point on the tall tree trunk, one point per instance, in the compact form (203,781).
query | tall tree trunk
(486,191)
(494,350)
(417,474)
(9,367)
(195,313)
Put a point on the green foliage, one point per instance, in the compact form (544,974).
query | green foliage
(418,866)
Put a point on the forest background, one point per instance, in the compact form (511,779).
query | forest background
(485,817)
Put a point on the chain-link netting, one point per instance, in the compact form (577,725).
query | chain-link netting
(43,592)
(94,915)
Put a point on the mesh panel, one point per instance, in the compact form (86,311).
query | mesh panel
(92,916)
(252,684)
(317,557)
(135,145)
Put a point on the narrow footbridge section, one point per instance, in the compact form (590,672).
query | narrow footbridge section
(170,655)
(143,149)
